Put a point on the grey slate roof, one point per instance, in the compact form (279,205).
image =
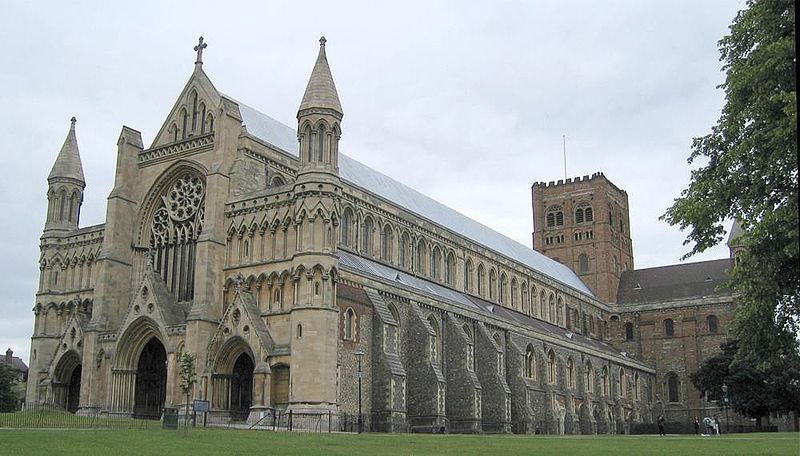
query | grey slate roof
(68,162)
(372,268)
(285,138)
(677,281)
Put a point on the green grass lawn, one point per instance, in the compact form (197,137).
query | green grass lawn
(239,442)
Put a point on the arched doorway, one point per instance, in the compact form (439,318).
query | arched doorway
(151,381)
(67,384)
(74,390)
(241,387)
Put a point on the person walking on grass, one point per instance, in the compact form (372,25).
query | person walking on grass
(661,425)
(696,426)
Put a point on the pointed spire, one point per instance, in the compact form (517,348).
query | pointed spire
(68,163)
(321,91)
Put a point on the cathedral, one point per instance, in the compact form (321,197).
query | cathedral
(303,280)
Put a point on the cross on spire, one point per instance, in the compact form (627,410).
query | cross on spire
(199,49)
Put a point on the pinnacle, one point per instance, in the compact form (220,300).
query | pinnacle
(321,90)
(68,163)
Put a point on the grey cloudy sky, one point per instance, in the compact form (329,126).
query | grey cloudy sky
(464,101)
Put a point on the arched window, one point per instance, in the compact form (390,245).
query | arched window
(184,130)
(669,327)
(202,118)
(492,285)
(210,123)
(436,262)
(555,216)
(711,323)
(551,317)
(543,305)
(481,280)
(587,214)
(470,347)
(529,369)
(570,373)
(347,223)
(628,331)
(503,288)
(366,237)
(422,255)
(450,269)
(299,332)
(589,377)
(621,383)
(524,298)
(349,321)
(468,271)
(513,296)
(194,112)
(673,388)
(405,242)
(435,349)
(605,381)
(551,368)
(636,391)
(386,243)
(579,215)
(560,312)
(583,263)
(320,142)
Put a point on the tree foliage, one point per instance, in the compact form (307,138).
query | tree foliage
(8,397)
(188,377)
(748,172)
(753,391)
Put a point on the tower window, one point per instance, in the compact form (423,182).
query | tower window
(711,321)
(628,331)
(554,217)
(583,263)
(669,327)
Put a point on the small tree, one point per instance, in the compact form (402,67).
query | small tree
(188,379)
(8,397)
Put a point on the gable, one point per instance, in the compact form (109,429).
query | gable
(197,103)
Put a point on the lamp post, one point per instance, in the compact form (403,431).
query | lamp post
(725,404)
(359,354)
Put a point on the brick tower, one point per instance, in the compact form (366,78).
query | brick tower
(583,223)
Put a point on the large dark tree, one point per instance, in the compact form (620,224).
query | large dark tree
(748,172)
(8,397)
(752,391)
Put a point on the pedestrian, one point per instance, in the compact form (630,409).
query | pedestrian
(696,426)
(661,425)
(709,425)
(716,425)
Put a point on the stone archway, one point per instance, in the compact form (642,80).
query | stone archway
(67,384)
(151,381)
(232,390)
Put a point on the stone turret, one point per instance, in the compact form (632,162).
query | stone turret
(65,187)
(317,192)
(319,118)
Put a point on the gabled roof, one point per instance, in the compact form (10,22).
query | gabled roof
(677,281)
(284,138)
(68,163)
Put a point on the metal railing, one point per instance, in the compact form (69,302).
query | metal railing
(46,416)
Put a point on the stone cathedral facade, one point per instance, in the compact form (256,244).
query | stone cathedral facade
(283,264)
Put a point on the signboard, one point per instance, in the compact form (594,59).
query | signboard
(200,406)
